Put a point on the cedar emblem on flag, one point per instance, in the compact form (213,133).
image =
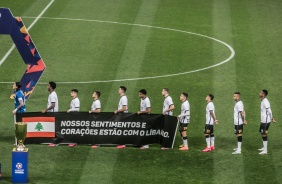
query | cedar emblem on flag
(40,126)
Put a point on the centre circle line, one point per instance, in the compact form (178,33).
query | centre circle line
(147,26)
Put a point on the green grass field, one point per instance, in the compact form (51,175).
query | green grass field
(92,43)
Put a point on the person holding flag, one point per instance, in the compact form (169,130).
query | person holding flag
(95,108)
(168,106)
(74,106)
(122,107)
(19,99)
(145,108)
(75,103)
(53,102)
(184,119)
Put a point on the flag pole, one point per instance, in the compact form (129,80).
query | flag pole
(15,127)
(175,133)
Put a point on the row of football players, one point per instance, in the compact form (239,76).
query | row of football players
(168,107)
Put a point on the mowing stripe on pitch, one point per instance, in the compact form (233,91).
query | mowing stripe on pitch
(222,24)
(133,54)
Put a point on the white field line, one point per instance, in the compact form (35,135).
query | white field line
(147,26)
(30,26)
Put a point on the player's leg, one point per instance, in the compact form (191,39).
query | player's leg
(264,131)
(240,139)
(240,136)
(180,132)
(212,141)
(208,140)
(212,137)
(261,130)
(184,137)
(239,145)
(238,132)
(264,142)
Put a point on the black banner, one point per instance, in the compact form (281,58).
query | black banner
(107,128)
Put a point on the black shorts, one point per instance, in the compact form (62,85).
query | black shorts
(263,129)
(208,129)
(238,129)
(183,127)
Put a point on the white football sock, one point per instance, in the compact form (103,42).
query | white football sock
(208,140)
(239,145)
(212,141)
(185,142)
(265,144)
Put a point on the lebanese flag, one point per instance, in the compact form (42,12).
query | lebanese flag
(40,126)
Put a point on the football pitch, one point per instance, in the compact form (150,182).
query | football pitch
(193,46)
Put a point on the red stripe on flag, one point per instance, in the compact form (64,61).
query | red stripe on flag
(38,119)
(40,134)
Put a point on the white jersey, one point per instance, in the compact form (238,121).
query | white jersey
(74,105)
(144,104)
(185,112)
(167,103)
(265,111)
(96,105)
(238,108)
(123,102)
(209,108)
(53,98)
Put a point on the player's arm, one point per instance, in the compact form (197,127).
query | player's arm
(243,117)
(269,112)
(76,107)
(21,104)
(183,115)
(213,117)
(171,107)
(52,106)
(147,111)
(121,110)
(98,110)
